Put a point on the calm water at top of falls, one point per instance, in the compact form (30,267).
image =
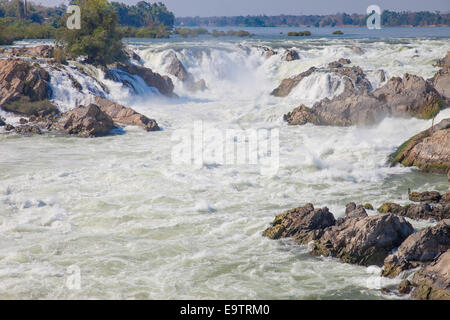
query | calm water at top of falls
(139,226)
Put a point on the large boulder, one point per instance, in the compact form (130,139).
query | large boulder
(364,241)
(303,224)
(21,81)
(124,115)
(287,85)
(419,248)
(85,121)
(428,150)
(433,281)
(42,51)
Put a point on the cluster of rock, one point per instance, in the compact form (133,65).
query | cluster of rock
(42,51)
(429,150)
(385,239)
(359,105)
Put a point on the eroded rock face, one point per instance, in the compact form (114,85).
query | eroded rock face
(433,281)
(304,224)
(124,115)
(419,248)
(162,83)
(364,241)
(85,121)
(287,85)
(427,196)
(20,80)
(428,150)
(43,51)
(177,69)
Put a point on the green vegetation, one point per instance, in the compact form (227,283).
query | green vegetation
(26,106)
(144,14)
(195,32)
(191,33)
(299,34)
(98,39)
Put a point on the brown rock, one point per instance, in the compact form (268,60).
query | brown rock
(303,224)
(433,281)
(419,248)
(428,150)
(123,115)
(152,79)
(42,51)
(405,287)
(18,79)
(287,85)
(365,241)
(85,121)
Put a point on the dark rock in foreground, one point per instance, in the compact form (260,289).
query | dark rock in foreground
(420,248)
(364,241)
(433,281)
(357,238)
(428,150)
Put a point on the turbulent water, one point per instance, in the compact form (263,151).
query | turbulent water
(139,226)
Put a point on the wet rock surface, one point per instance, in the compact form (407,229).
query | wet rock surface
(124,115)
(85,121)
(428,150)
(419,248)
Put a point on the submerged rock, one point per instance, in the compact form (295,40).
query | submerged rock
(85,121)
(419,248)
(428,150)
(427,196)
(124,115)
(433,281)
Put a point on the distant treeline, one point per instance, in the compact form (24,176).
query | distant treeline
(388,18)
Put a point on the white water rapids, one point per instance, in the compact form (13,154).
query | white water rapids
(141,227)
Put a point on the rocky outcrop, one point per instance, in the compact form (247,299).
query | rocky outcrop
(433,281)
(364,241)
(85,121)
(124,115)
(357,50)
(303,224)
(43,51)
(357,238)
(24,88)
(177,69)
(400,97)
(420,248)
(428,150)
(162,83)
(444,62)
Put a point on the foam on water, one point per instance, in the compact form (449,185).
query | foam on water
(139,226)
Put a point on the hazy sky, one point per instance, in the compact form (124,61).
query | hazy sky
(270,7)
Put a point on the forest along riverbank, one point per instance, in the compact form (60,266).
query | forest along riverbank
(344,116)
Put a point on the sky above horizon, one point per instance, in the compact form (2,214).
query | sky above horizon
(205,8)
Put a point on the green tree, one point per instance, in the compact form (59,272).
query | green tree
(99,38)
